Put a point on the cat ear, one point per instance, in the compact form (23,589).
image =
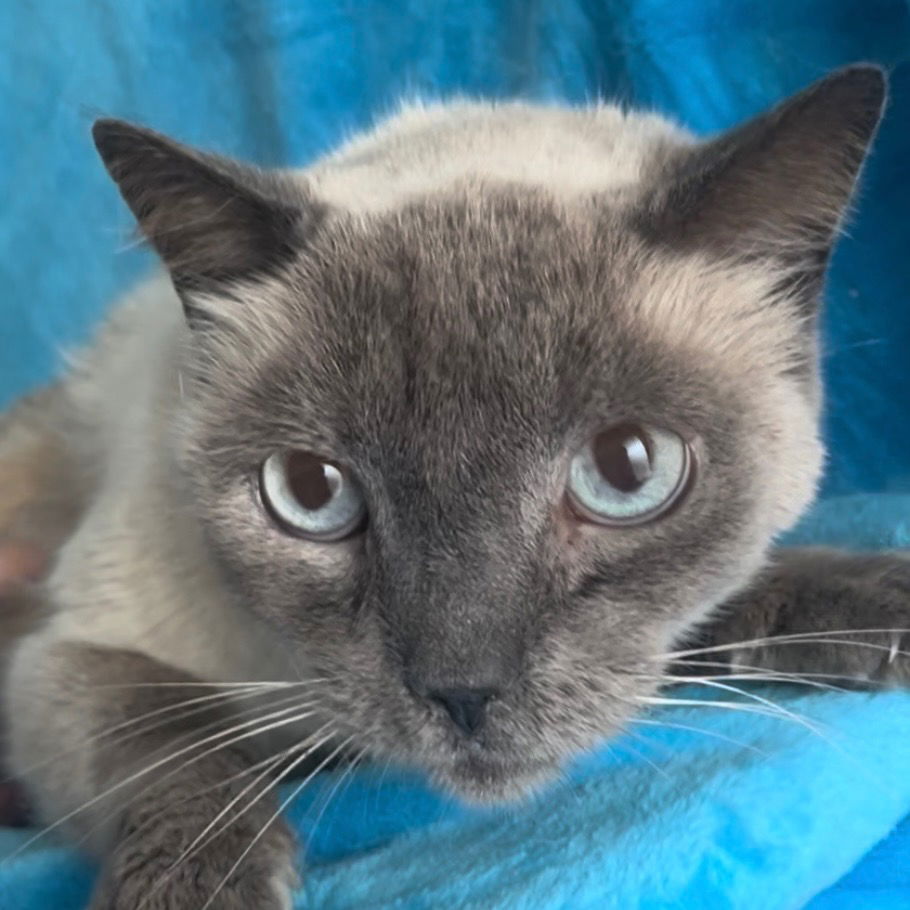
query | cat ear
(210,219)
(780,184)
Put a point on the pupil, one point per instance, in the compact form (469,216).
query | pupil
(312,482)
(623,457)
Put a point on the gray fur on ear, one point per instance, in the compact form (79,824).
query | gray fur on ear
(781,183)
(210,219)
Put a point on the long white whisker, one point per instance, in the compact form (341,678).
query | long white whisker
(761,710)
(272,761)
(203,700)
(272,764)
(699,703)
(798,678)
(287,802)
(782,713)
(757,674)
(297,705)
(675,726)
(752,696)
(771,676)
(347,774)
(638,753)
(284,774)
(194,684)
(200,841)
(155,765)
(820,637)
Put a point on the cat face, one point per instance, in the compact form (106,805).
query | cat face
(485,456)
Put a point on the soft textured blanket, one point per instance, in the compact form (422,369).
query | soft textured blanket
(766,821)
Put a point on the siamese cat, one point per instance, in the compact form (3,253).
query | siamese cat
(439,451)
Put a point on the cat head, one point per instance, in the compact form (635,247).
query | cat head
(484,455)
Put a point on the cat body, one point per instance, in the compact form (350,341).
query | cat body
(437,319)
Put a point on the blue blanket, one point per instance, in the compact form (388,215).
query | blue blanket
(716,824)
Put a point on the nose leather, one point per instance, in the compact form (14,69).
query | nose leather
(466,707)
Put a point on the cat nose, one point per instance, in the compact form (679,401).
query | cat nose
(467,707)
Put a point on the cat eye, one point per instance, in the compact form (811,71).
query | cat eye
(629,475)
(311,497)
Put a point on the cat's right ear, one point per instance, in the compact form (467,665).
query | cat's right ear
(779,185)
(212,221)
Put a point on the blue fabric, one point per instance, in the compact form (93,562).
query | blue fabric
(279,81)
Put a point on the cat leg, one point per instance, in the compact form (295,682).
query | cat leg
(142,795)
(839,617)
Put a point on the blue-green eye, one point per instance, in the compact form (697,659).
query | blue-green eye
(311,497)
(628,475)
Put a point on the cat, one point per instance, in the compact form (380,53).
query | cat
(436,452)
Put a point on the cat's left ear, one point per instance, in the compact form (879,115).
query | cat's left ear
(780,184)
(210,219)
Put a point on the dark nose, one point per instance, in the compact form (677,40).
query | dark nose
(466,707)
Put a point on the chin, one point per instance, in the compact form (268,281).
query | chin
(478,781)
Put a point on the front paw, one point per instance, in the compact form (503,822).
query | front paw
(840,617)
(148,869)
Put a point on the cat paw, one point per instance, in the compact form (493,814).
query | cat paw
(840,617)
(152,874)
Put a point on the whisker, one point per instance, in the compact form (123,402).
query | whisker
(639,754)
(297,705)
(272,760)
(797,677)
(285,803)
(348,774)
(706,703)
(204,701)
(782,713)
(768,709)
(712,733)
(270,684)
(380,783)
(752,696)
(795,638)
(201,841)
(272,764)
(157,764)
(771,676)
